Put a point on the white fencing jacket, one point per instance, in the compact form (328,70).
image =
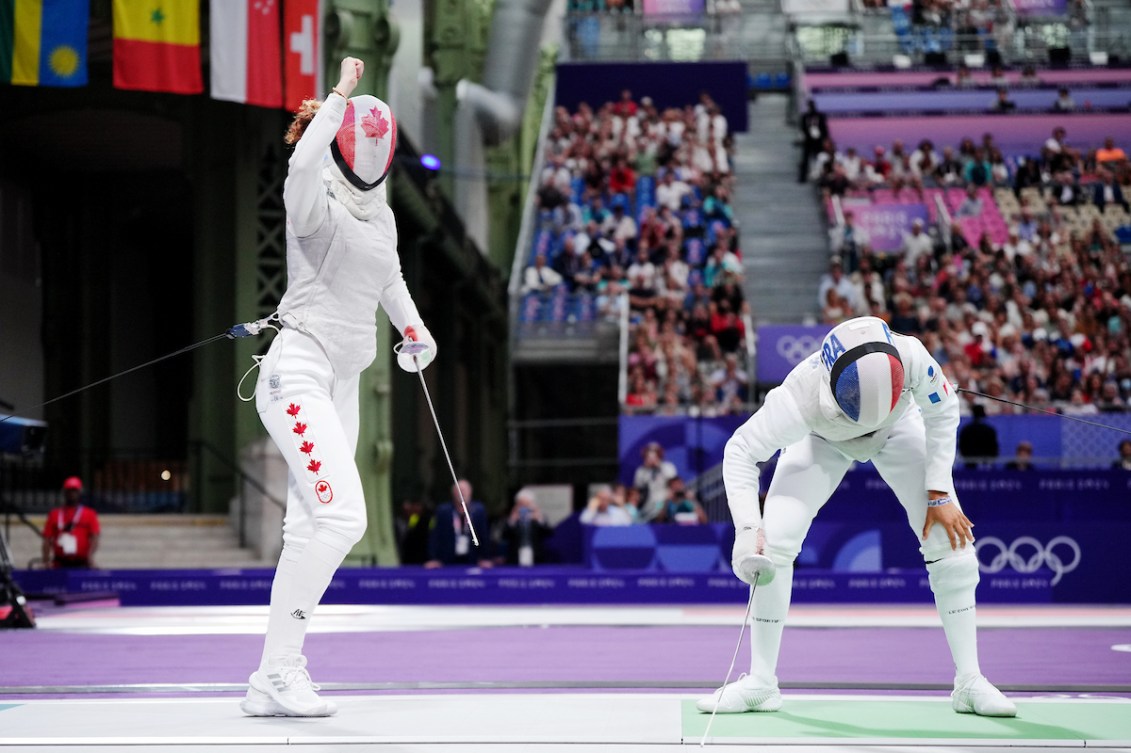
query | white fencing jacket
(339,268)
(803,405)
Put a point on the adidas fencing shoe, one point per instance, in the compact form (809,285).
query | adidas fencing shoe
(284,688)
(974,694)
(740,696)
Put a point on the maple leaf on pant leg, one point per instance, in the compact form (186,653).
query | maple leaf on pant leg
(314,465)
(293,410)
(306,447)
(300,428)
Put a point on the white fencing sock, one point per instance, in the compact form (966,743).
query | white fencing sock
(297,589)
(771,605)
(954,581)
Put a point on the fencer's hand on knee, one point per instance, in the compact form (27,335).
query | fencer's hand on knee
(957,526)
(417,334)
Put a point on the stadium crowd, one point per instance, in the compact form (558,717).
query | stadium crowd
(635,219)
(1034,307)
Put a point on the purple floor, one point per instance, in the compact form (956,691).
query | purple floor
(1034,658)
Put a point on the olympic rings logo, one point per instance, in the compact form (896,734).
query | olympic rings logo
(1026,555)
(795,349)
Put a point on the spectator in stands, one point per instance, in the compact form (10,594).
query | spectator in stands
(730,382)
(449,540)
(680,506)
(849,241)
(917,243)
(603,510)
(1029,76)
(622,178)
(924,160)
(977,171)
(1022,457)
(72,531)
(651,478)
(671,191)
(1002,102)
(949,171)
(833,181)
(977,440)
(904,318)
(1063,101)
(1124,461)
(836,308)
(1079,27)
(1065,190)
(971,205)
(837,280)
(1107,191)
(539,277)
(525,532)
(998,78)
(853,165)
(726,326)
(1057,153)
(551,199)
(1110,155)
(814,131)
(720,263)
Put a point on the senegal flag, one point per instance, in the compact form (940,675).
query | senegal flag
(157,46)
(43,42)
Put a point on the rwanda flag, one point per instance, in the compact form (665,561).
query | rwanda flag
(43,42)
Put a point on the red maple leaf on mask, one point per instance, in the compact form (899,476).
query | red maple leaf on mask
(314,465)
(300,428)
(306,448)
(374,124)
(293,410)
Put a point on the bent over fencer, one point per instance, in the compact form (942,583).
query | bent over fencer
(342,264)
(868,394)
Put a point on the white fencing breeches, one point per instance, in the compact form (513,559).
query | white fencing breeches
(807,474)
(313,418)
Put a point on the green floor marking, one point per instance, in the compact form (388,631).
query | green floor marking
(911,719)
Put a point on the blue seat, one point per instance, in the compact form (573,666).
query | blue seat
(763,82)
(782,81)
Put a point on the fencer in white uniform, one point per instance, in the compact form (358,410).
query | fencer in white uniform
(342,264)
(868,394)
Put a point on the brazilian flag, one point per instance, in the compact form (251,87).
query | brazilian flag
(43,42)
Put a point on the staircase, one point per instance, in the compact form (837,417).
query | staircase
(785,242)
(151,542)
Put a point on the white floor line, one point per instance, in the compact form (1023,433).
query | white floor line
(332,618)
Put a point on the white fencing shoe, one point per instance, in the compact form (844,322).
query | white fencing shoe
(974,694)
(740,696)
(284,688)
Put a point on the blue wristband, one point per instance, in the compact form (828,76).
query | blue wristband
(938,502)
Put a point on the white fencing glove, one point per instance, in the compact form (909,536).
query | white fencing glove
(417,342)
(748,559)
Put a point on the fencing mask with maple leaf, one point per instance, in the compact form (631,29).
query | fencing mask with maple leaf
(366,141)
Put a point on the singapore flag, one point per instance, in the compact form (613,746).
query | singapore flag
(245,52)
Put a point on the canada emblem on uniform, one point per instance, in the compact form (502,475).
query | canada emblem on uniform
(324,491)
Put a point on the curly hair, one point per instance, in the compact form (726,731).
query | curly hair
(305,114)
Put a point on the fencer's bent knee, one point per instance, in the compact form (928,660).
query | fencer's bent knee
(956,572)
(780,557)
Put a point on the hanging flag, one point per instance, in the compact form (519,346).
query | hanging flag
(157,46)
(246,54)
(302,54)
(43,42)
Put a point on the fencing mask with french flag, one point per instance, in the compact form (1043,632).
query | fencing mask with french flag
(366,141)
(864,369)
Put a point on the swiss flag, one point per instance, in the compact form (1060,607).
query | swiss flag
(302,54)
(246,55)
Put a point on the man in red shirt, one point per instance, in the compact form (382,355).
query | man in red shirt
(70,537)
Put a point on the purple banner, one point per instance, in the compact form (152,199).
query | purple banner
(885,224)
(674,7)
(783,346)
(692,445)
(1040,7)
